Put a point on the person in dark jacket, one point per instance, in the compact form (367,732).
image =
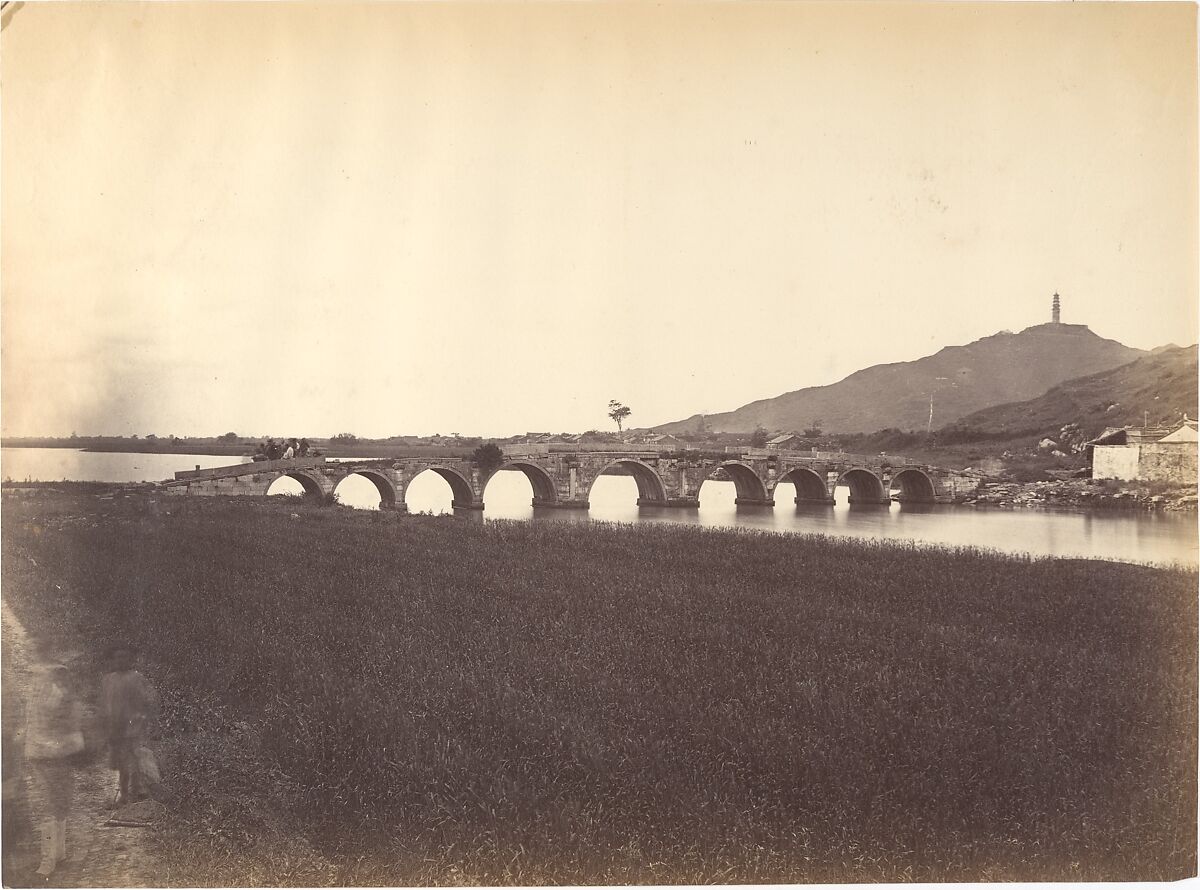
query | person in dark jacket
(128,707)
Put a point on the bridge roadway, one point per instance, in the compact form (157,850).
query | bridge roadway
(565,479)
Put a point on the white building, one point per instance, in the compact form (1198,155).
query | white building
(1171,458)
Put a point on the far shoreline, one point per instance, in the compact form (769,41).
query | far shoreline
(235,450)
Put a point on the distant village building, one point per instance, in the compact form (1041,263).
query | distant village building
(1146,454)
(594,437)
(664,441)
(787,441)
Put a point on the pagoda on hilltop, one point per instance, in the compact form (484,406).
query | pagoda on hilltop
(1055,324)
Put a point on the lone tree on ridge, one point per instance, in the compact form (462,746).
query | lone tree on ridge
(618,412)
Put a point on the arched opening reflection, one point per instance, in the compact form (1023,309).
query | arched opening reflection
(509,494)
(863,487)
(808,485)
(541,486)
(366,491)
(295,485)
(436,490)
(913,487)
(748,487)
(733,484)
(718,492)
(650,488)
(612,498)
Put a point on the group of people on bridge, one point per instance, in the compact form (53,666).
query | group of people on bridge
(285,450)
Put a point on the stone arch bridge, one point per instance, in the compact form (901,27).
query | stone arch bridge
(565,479)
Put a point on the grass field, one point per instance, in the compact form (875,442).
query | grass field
(435,701)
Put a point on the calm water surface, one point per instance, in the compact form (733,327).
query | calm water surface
(57,464)
(1128,536)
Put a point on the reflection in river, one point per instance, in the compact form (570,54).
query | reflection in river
(1127,536)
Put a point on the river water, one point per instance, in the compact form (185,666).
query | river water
(1129,536)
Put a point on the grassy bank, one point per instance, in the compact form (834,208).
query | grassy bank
(430,700)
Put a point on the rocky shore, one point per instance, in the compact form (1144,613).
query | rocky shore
(1085,493)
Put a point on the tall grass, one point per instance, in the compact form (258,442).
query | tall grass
(528,703)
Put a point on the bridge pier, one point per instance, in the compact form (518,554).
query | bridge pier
(754,502)
(473,504)
(825,500)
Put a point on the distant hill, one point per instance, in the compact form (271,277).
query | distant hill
(999,369)
(1159,387)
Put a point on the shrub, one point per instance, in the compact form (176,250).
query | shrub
(488,457)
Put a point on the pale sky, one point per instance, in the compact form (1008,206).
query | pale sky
(388,219)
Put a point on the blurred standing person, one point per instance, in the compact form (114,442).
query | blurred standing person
(129,706)
(289,452)
(53,740)
(304,447)
(15,807)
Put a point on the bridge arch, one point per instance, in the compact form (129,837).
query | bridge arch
(865,487)
(651,489)
(914,486)
(540,481)
(310,483)
(387,491)
(810,485)
(462,493)
(748,485)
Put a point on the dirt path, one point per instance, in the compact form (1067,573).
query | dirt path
(96,856)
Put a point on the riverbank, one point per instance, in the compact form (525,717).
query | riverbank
(365,698)
(1086,494)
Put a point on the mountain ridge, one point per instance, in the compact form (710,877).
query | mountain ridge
(1001,368)
(1156,388)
